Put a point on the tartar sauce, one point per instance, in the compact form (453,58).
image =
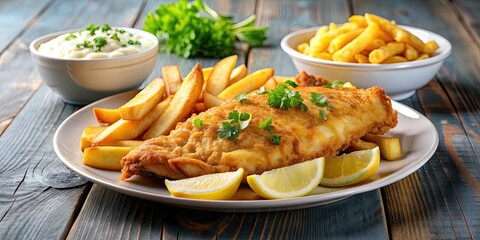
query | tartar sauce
(95,42)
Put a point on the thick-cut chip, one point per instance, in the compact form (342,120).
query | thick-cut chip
(238,73)
(181,104)
(199,107)
(361,145)
(106,115)
(144,101)
(125,143)
(88,134)
(247,84)
(356,45)
(220,76)
(211,100)
(106,158)
(127,129)
(360,58)
(270,84)
(390,148)
(410,52)
(395,59)
(389,50)
(342,40)
(172,77)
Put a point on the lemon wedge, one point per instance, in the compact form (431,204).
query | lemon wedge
(351,168)
(217,186)
(288,182)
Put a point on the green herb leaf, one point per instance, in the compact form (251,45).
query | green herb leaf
(133,42)
(70,37)
(92,28)
(275,139)
(323,114)
(291,83)
(198,123)
(242,98)
(334,84)
(195,30)
(99,43)
(283,98)
(115,37)
(228,131)
(106,27)
(262,90)
(267,124)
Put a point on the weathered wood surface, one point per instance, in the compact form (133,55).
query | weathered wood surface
(41,199)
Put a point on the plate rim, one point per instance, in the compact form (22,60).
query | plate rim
(246,205)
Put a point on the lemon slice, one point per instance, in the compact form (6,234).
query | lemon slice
(215,186)
(351,168)
(288,182)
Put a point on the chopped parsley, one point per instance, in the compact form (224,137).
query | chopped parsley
(133,42)
(321,101)
(282,97)
(262,90)
(106,27)
(70,37)
(198,123)
(121,31)
(92,28)
(99,43)
(267,125)
(334,84)
(115,37)
(242,98)
(291,83)
(85,44)
(231,129)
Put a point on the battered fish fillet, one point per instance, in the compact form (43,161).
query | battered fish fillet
(190,151)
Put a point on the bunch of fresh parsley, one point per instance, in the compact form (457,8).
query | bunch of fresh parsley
(185,31)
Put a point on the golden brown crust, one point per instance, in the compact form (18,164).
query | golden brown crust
(190,151)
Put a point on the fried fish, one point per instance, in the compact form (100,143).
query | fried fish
(192,150)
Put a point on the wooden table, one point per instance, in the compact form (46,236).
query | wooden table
(40,198)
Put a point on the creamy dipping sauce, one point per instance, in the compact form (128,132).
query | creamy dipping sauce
(96,42)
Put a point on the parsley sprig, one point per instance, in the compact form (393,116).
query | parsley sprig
(334,84)
(321,101)
(195,30)
(283,97)
(231,129)
(267,125)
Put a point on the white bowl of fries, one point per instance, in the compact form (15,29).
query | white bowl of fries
(82,81)
(398,79)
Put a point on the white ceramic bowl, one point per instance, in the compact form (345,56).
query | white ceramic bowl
(399,80)
(82,81)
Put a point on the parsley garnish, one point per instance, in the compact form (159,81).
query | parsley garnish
(283,97)
(70,37)
(242,98)
(334,84)
(193,29)
(92,28)
(198,123)
(238,121)
(275,139)
(106,27)
(321,101)
(115,37)
(123,45)
(291,83)
(121,31)
(267,125)
(99,43)
(262,90)
(133,42)
(85,44)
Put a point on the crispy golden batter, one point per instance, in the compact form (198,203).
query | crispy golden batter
(190,151)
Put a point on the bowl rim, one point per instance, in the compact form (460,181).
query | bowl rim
(443,52)
(44,38)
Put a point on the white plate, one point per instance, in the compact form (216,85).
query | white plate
(418,136)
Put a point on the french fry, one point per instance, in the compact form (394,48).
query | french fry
(390,148)
(361,145)
(283,79)
(423,56)
(389,50)
(322,55)
(342,40)
(410,52)
(211,100)
(360,58)
(206,73)
(358,19)
(125,143)
(107,158)
(395,59)
(127,129)
(173,78)
(247,84)
(181,104)
(321,43)
(304,48)
(270,84)
(106,115)
(220,76)
(374,44)
(88,134)
(199,107)
(356,45)
(144,101)
(238,73)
